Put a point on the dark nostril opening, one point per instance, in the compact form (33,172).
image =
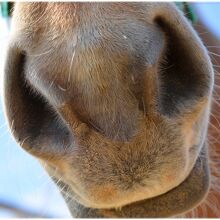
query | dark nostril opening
(184,73)
(29,113)
(43,121)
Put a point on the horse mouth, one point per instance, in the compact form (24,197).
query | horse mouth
(177,201)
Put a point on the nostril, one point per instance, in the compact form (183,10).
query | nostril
(35,123)
(185,72)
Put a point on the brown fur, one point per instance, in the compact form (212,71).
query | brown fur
(116,98)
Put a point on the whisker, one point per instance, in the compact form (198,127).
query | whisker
(216,119)
(74,42)
(213,46)
(203,33)
(37,55)
(51,84)
(218,104)
(71,63)
(215,54)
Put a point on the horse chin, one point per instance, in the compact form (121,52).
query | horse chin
(177,201)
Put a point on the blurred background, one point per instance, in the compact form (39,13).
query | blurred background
(25,188)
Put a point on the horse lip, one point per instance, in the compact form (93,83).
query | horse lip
(175,202)
(178,200)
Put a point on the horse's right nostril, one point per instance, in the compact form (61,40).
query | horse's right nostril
(34,122)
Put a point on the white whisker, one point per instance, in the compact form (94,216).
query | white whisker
(61,88)
(37,55)
(215,54)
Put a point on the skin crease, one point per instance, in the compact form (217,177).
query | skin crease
(115,99)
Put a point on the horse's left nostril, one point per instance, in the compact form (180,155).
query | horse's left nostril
(185,72)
